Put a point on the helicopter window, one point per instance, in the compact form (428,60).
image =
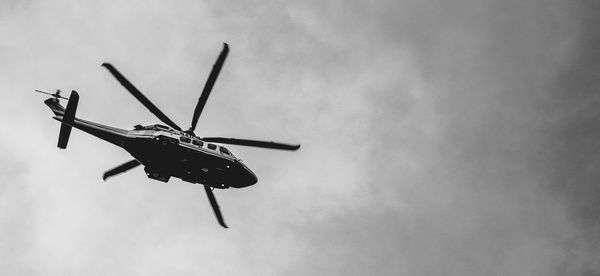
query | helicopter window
(224,150)
(185,139)
(197,143)
(212,146)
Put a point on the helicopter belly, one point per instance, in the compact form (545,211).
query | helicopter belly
(164,157)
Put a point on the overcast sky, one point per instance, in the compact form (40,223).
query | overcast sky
(438,137)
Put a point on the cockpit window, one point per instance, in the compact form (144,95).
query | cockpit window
(212,146)
(197,143)
(185,139)
(224,150)
(161,127)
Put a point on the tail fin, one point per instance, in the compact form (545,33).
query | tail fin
(68,117)
(55,106)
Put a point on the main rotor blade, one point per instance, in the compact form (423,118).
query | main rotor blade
(210,82)
(251,143)
(215,206)
(120,169)
(139,96)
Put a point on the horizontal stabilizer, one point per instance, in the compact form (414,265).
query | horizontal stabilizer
(67,120)
(63,136)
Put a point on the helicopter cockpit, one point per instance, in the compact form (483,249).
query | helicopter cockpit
(199,144)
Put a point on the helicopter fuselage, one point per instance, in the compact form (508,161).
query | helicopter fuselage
(167,152)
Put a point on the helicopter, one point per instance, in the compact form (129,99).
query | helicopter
(167,151)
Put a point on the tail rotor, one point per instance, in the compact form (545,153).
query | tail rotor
(56,94)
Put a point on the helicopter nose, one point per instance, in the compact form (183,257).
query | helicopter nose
(249,177)
(246,177)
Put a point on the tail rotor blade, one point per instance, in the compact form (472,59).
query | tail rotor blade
(55,95)
(210,82)
(215,206)
(120,169)
(43,92)
(139,96)
(252,143)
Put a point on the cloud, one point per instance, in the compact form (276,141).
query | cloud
(460,154)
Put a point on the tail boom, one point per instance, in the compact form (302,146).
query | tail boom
(68,120)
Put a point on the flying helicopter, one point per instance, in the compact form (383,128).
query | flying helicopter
(168,151)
